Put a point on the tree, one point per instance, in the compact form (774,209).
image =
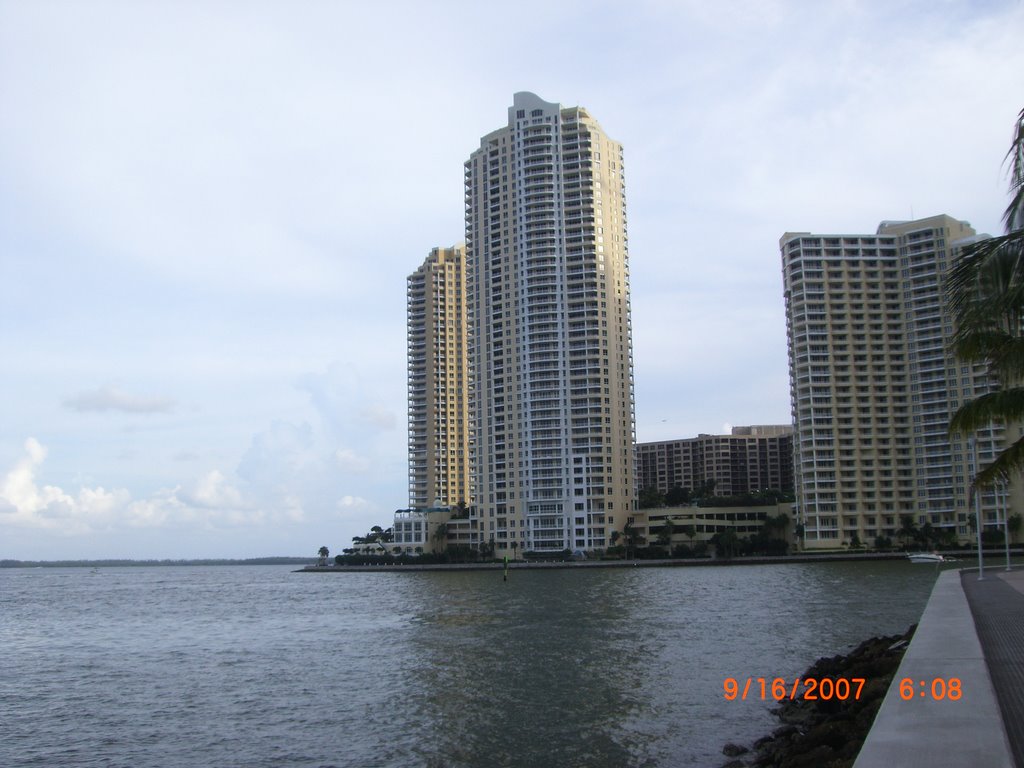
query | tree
(632,537)
(689,531)
(650,498)
(705,489)
(666,533)
(324,554)
(677,497)
(985,294)
(515,546)
(908,529)
(441,536)
(927,534)
(1013,524)
(726,543)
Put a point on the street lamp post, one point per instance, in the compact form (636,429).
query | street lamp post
(973,443)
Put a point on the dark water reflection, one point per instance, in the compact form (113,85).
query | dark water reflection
(254,666)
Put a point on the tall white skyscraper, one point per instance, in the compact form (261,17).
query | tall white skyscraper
(550,346)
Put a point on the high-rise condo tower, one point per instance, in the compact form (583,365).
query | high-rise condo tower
(438,381)
(550,346)
(874,384)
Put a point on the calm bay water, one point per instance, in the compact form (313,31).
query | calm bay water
(259,666)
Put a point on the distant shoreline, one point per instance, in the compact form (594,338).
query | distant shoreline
(666,563)
(115,563)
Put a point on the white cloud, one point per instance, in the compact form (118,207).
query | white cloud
(210,502)
(109,399)
(25,503)
(212,491)
(378,417)
(349,461)
(346,503)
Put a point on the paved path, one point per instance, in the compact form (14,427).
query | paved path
(919,730)
(997,604)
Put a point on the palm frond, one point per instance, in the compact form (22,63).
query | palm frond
(1002,351)
(1006,465)
(1013,217)
(1001,405)
(986,285)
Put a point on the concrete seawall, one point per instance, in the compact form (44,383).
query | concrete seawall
(930,732)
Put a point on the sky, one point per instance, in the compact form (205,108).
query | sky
(208,211)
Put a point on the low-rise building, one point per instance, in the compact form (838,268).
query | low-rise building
(704,522)
(415,529)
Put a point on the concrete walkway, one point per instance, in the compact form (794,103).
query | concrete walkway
(997,603)
(931,732)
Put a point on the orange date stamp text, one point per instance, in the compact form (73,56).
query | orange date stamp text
(806,688)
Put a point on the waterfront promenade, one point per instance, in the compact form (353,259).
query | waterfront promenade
(971,630)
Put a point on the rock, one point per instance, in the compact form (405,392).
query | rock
(816,758)
(831,732)
(784,731)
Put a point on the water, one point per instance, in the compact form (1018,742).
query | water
(258,666)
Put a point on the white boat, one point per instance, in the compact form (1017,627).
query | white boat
(925,557)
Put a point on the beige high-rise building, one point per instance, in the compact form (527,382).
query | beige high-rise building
(551,345)
(874,384)
(749,460)
(439,469)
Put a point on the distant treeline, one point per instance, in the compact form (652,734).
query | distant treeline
(143,563)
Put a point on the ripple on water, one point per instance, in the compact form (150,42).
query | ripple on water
(258,666)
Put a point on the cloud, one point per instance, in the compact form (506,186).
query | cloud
(350,503)
(210,502)
(344,402)
(212,491)
(378,417)
(23,502)
(108,399)
(350,462)
(279,454)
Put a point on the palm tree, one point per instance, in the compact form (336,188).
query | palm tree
(630,535)
(324,553)
(985,292)
(689,531)
(665,535)
(908,529)
(441,536)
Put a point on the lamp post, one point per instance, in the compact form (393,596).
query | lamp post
(973,444)
(1004,505)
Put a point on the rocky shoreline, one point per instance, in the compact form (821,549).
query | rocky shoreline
(828,734)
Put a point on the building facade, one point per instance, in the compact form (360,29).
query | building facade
(551,341)
(749,460)
(704,522)
(439,425)
(873,384)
